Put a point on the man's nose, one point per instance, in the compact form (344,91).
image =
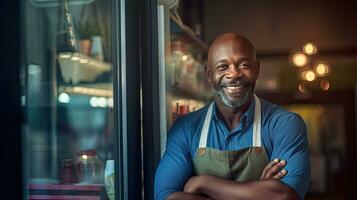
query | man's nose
(234,71)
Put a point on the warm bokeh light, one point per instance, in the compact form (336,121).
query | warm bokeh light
(75,58)
(322,69)
(308,75)
(184,57)
(65,55)
(309,48)
(299,59)
(83,60)
(89,91)
(325,85)
(302,87)
(84,157)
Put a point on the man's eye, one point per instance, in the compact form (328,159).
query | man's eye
(222,67)
(244,65)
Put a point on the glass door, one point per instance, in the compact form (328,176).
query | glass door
(182,56)
(74,82)
(173,79)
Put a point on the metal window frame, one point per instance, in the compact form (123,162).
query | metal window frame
(126,70)
(10,109)
(151,95)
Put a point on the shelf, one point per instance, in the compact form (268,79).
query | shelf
(77,67)
(92,89)
(66,191)
(187,60)
(189,94)
(189,32)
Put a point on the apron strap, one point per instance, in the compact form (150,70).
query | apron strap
(257,123)
(205,128)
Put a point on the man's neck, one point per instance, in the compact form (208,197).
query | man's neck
(231,116)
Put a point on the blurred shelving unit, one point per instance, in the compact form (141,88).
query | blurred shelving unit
(77,67)
(182,56)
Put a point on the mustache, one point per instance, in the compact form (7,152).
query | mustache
(238,82)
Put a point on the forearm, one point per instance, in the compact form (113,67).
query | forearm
(186,196)
(218,188)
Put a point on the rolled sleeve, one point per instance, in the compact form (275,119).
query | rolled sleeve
(175,166)
(290,143)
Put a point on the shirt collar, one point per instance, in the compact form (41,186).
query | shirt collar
(246,118)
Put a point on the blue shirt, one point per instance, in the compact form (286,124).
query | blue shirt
(283,135)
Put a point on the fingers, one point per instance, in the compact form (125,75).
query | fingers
(269,165)
(280,174)
(274,171)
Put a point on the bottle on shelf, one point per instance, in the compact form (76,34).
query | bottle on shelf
(68,173)
(175,112)
(89,167)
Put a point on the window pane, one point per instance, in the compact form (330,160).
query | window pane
(67,84)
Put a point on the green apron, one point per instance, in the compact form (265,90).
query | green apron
(240,165)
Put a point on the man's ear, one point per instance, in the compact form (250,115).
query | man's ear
(208,74)
(258,68)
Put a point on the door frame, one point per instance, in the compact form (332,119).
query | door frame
(150,95)
(127,112)
(10,109)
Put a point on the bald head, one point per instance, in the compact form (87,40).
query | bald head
(232,69)
(229,42)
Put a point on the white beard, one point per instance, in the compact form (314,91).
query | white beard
(237,103)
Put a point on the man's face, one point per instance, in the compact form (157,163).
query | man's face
(232,70)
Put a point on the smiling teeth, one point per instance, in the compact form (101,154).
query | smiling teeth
(234,87)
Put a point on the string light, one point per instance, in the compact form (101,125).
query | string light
(310,72)
(184,57)
(302,87)
(308,75)
(310,48)
(321,69)
(325,85)
(300,59)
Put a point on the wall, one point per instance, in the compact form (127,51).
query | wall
(274,24)
(277,27)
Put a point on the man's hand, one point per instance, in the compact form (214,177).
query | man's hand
(192,185)
(273,170)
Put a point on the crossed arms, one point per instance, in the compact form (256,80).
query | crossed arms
(205,187)
(289,142)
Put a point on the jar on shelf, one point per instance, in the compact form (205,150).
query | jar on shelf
(89,167)
(68,173)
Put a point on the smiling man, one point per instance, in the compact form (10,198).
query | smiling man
(239,146)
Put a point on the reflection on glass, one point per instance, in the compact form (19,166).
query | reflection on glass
(189,89)
(68,89)
(182,56)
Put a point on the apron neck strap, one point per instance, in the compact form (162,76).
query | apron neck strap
(205,128)
(256,125)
